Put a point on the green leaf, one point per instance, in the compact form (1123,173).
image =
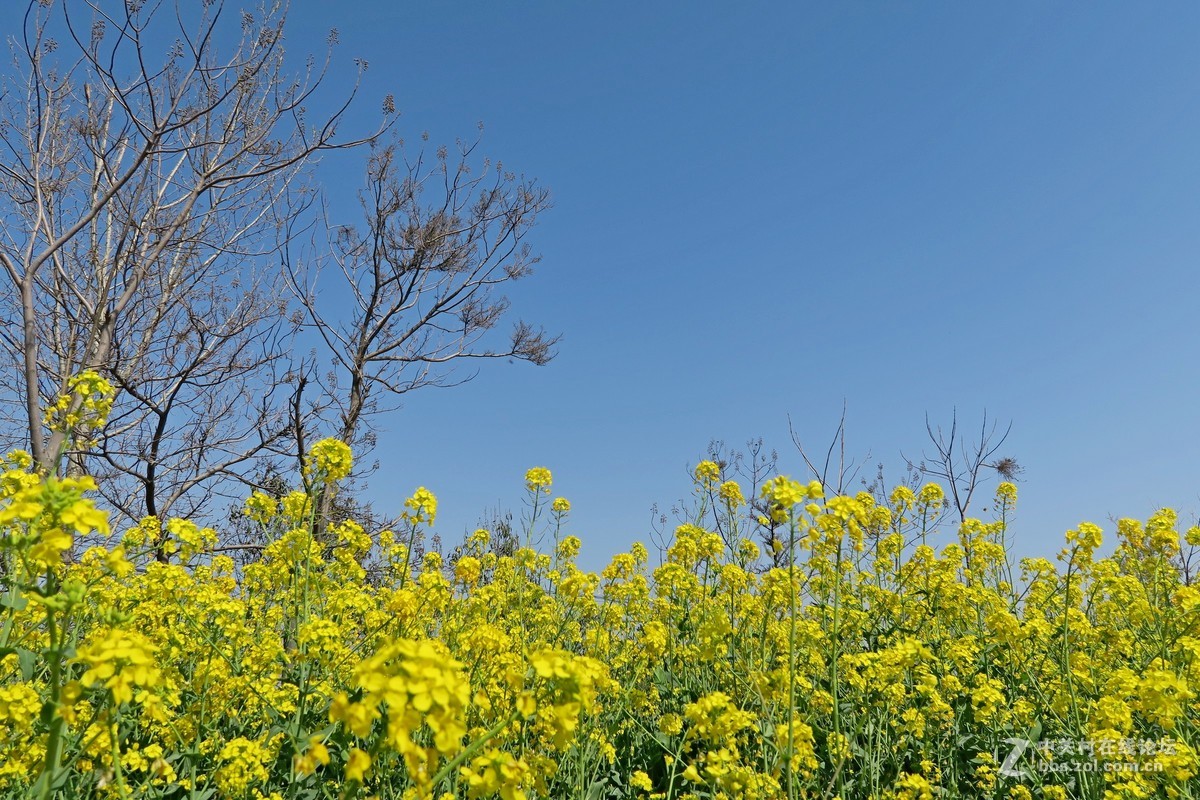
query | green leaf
(27,661)
(17,603)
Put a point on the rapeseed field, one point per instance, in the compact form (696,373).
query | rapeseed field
(855,659)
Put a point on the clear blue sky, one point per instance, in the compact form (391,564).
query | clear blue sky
(764,209)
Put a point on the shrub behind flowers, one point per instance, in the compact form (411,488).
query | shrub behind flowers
(871,665)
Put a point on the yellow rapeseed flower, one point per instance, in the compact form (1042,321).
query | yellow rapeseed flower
(538,479)
(422,506)
(358,762)
(329,460)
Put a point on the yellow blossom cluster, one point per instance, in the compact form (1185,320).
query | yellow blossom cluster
(83,407)
(329,461)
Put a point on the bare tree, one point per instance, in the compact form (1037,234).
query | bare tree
(139,197)
(201,399)
(960,462)
(836,471)
(957,462)
(423,276)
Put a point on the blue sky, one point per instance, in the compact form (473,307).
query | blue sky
(764,210)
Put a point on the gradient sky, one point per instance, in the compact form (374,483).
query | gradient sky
(764,210)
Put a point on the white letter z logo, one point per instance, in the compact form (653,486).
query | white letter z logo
(1007,769)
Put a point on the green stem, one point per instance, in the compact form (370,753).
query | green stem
(45,784)
(791,706)
(473,748)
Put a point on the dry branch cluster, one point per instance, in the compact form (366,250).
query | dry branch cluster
(158,165)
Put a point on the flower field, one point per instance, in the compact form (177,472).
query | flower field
(858,660)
